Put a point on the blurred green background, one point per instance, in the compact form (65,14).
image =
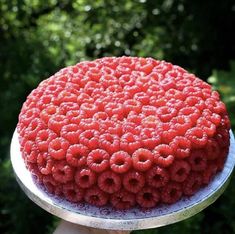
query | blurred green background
(39,37)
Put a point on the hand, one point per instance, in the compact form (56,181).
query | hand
(70,228)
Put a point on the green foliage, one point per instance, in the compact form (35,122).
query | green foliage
(39,37)
(224,82)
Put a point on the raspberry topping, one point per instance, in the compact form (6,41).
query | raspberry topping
(123,131)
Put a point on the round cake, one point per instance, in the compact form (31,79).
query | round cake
(123,132)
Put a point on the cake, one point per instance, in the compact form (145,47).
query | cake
(123,132)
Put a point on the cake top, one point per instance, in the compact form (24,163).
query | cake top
(123,127)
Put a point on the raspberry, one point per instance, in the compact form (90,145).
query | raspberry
(100,115)
(212,149)
(179,171)
(33,128)
(181,124)
(163,155)
(171,193)
(89,109)
(195,101)
(125,80)
(165,113)
(62,172)
(71,133)
(167,84)
(197,137)
(142,97)
(120,162)
(142,159)
(133,181)
(193,91)
(192,112)
(192,184)
(43,138)
(98,160)
(148,197)
(109,142)
(85,178)
(207,126)
(129,142)
(109,182)
(56,123)
(132,105)
(89,138)
(76,155)
(72,192)
(150,121)
(122,200)
(28,116)
(209,173)
(57,148)
(157,177)
(49,183)
(150,138)
(89,124)
(75,116)
(198,160)
(174,93)
(96,196)
(45,163)
(181,147)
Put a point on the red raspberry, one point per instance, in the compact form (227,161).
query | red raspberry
(150,138)
(94,74)
(222,137)
(167,84)
(142,97)
(174,93)
(71,133)
(150,121)
(100,116)
(148,197)
(181,147)
(179,171)
(120,162)
(197,137)
(85,99)
(192,184)
(62,172)
(45,163)
(126,79)
(75,116)
(142,159)
(89,138)
(171,193)
(96,196)
(133,181)
(57,148)
(166,113)
(109,182)
(181,124)
(49,183)
(122,200)
(195,101)
(212,149)
(76,155)
(207,126)
(98,160)
(192,112)
(89,124)
(163,155)
(209,173)
(57,122)
(48,112)
(43,138)
(129,142)
(33,128)
(132,105)
(198,160)
(28,116)
(72,192)
(109,142)
(85,178)
(89,109)
(193,91)
(157,177)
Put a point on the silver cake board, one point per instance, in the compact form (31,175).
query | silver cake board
(110,219)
